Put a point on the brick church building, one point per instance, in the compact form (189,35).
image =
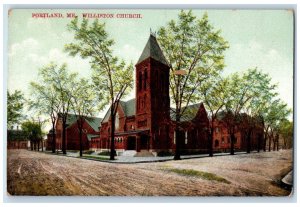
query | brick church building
(146,123)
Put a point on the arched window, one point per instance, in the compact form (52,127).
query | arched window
(140,81)
(145,79)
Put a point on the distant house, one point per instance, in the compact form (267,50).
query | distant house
(17,139)
(91,128)
(222,140)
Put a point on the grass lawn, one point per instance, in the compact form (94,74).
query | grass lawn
(95,157)
(196,173)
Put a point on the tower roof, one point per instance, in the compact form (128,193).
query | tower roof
(153,50)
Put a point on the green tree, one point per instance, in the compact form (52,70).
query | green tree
(45,98)
(286,128)
(83,104)
(246,99)
(274,112)
(15,105)
(214,93)
(112,79)
(258,87)
(238,94)
(33,132)
(194,50)
(63,84)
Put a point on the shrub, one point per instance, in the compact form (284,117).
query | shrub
(88,152)
(106,153)
(164,154)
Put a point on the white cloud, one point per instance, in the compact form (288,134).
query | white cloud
(27,45)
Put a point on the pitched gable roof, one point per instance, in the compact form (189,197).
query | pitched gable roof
(71,118)
(94,122)
(153,50)
(188,115)
(127,106)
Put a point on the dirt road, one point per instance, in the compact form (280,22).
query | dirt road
(257,174)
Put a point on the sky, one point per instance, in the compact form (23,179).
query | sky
(257,38)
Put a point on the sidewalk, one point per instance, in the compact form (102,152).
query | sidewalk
(132,160)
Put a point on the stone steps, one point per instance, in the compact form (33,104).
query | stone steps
(129,153)
(144,153)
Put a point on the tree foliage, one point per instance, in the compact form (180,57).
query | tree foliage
(112,78)
(251,100)
(51,95)
(286,129)
(214,94)
(33,132)
(273,114)
(192,45)
(15,105)
(83,104)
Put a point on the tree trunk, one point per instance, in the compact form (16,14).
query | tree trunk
(177,145)
(284,142)
(270,143)
(53,138)
(42,145)
(232,137)
(112,134)
(211,141)
(38,144)
(80,138)
(31,145)
(258,143)
(249,140)
(277,142)
(63,147)
(265,142)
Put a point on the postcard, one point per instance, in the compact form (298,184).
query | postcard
(150,102)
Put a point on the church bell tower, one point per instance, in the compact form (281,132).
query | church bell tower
(152,92)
